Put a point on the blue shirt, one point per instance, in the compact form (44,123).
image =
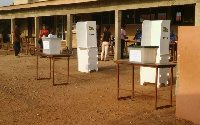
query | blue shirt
(173,38)
(138,36)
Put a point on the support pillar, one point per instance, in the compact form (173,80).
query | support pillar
(69,31)
(197,14)
(12,28)
(37,31)
(118,18)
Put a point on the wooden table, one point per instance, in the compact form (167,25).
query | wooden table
(6,47)
(52,57)
(28,43)
(157,65)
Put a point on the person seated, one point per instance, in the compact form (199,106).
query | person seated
(138,37)
(173,37)
(43,33)
(112,43)
(173,40)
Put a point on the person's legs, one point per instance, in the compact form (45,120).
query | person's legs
(138,43)
(18,47)
(171,51)
(15,48)
(122,48)
(41,44)
(102,51)
(106,49)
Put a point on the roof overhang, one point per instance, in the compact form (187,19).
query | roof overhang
(43,4)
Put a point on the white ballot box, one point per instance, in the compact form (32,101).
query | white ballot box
(143,54)
(87,59)
(86,34)
(156,33)
(87,51)
(147,74)
(51,45)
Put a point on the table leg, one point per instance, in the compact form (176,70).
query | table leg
(68,71)
(171,82)
(132,81)
(37,67)
(53,69)
(156,79)
(173,52)
(126,48)
(117,81)
(26,46)
(50,68)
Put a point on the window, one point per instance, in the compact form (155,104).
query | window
(60,26)
(141,15)
(162,16)
(105,18)
(183,14)
(76,19)
(159,13)
(112,17)
(128,17)
(189,14)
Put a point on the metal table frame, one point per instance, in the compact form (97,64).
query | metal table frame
(156,65)
(52,57)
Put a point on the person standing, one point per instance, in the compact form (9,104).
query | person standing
(43,33)
(16,40)
(106,40)
(173,40)
(123,36)
(138,37)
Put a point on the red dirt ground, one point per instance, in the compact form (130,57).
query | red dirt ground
(89,98)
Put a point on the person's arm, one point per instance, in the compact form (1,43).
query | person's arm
(134,38)
(13,33)
(125,37)
(110,40)
(176,38)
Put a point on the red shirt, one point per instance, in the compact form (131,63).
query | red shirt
(44,32)
(16,35)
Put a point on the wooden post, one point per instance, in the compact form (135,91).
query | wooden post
(12,28)
(197,14)
(118,16)
(69,31)
(37,31)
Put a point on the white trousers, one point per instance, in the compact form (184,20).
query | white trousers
(105,47)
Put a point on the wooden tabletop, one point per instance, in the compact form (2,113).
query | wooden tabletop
(52,55)
(159,65)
